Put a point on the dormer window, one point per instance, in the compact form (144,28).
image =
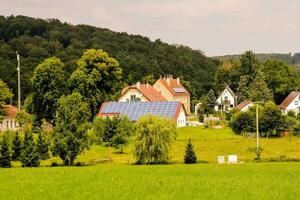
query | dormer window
(296,103)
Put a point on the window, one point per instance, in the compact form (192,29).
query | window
(296,103)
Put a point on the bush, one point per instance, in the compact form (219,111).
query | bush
(153,139)
(242,122)
(42,146)
(29,156)
(5,154)
(190,156)
(17,147)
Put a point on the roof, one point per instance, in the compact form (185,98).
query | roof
(147,90)
(289,99)
(243,104)
(174,86)
(135,110)
(11,111)
(230,91)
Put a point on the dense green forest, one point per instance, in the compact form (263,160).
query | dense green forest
(37,39)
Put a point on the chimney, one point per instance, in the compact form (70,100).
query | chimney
(168,80)
(138,85)
(147,85)
(178,81)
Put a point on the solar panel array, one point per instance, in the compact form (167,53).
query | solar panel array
(135,110)
(179,90)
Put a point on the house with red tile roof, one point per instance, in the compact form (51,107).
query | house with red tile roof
(173,90)
(245,105)
(9,121)
(291,103)
(140,92)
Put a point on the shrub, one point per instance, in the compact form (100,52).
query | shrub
(190,156)
(29,156)
(242,122)
(5,153)
(42,146)
(153,139)
(17,147)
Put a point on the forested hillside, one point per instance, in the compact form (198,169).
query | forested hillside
(37,39)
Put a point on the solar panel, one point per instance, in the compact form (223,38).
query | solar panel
(135,110)
(179,90)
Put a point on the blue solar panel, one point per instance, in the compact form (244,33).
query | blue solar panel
(180,90)
(135,110)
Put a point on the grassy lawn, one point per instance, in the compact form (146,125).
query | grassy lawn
(178,181)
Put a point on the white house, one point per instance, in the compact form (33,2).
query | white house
(226,100)
(291,103)
(9,122)
(173,110)
(245,105)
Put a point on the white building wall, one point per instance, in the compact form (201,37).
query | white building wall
(293,106)
(181,119)
(127,96)
(8,123)
(225,95)
(246,108)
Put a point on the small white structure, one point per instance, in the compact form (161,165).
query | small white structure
(9,122)
(291,103)
(232,159)
(245,105)
(221,159)
(226,100)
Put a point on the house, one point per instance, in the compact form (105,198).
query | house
(9,122)
(173,90)
(136,109)
(245,105)
(291,103)
(226,101)
(140,92)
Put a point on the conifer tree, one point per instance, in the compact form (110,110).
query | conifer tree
(5,153)
(29,155)
(16,147)
(190,156)
(211,102)
(42,146)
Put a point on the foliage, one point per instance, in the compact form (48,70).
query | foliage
(243,122)
(37,39)
(16,147)
(71,125)
(24,119)
(95,77)
(29,155)
(42,146)
(153,139)
(149,79)
(5,94)
(115,131)
(190,155)
(48,83)
(210,103)
(5,152)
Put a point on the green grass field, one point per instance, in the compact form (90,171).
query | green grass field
(108,181)
(123,180)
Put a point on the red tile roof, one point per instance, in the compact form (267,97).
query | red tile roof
(147,90)
(243,104)
(173,83)
(11,111)
(289,99)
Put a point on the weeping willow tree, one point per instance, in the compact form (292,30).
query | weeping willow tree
(154,136)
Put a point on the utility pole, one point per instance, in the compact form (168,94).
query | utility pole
(19,81)
(257,131)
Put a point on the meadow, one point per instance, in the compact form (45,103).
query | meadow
(121,179)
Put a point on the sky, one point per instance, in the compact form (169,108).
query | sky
(216,27)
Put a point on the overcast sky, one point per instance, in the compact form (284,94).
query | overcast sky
(217,27)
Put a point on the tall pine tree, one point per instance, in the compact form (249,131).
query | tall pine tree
(190,156)
(42,146)
(29,156)
(16,147)
(211,102)
(5,153)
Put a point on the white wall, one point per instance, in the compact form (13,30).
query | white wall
(294,106)
(9,123)
(225,95)
(181,119)
(246,108)
(126,97)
